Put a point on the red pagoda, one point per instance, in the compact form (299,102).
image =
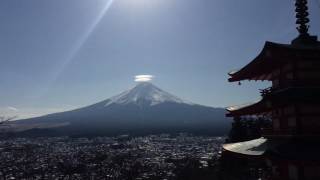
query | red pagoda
(291,147)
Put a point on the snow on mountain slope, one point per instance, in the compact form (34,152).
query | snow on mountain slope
(145,93)
(144,109)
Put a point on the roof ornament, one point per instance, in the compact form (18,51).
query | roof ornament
(302,17)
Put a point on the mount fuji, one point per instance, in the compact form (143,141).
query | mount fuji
(145,94)
(144,109)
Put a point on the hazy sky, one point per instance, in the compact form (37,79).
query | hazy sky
(63,54)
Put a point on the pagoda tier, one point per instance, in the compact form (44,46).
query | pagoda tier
(254,148)
(248,109)
(277,99)
(293,61)
(295,160)
(286,158)
(294,111)
(288,149)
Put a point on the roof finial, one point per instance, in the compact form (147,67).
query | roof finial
(302,17)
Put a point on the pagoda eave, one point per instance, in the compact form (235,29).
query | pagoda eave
(276,99)
(251,109)
(253,148)
(273,55)
(283,150)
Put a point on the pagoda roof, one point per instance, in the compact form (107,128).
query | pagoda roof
(248,109)
(287,149)
(278,97)
(273,55)
(256,147)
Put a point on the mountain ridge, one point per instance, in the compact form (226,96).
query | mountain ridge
(144,108)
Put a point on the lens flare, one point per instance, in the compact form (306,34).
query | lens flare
(78,45)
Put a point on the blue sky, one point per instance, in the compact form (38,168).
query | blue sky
(59,55)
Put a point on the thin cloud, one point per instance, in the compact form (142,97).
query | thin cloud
(12,108)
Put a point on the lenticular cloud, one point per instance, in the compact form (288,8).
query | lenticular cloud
(143,78)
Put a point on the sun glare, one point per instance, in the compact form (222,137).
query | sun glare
(80,42)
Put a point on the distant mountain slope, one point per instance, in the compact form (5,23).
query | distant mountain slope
(142,110)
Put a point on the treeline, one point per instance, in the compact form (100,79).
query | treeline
(227,166)
(247,128)
(237,167)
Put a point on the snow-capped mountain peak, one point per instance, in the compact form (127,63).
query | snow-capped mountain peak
(144,93)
